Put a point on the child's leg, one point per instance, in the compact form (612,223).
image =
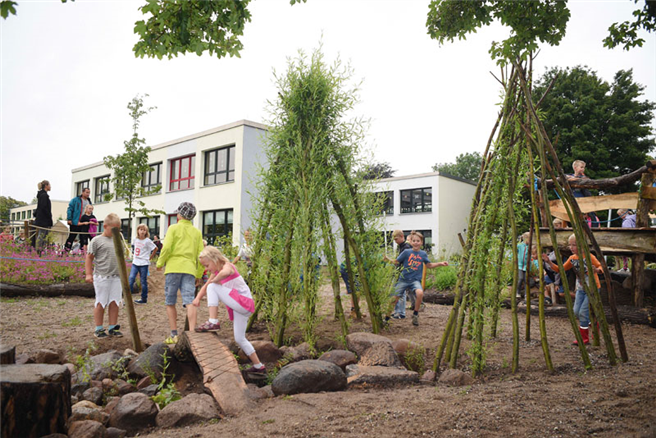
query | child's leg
(420,297)
(188,293)
(143,270)
(112,312)
(133,275)
(520,283)
(171,286)
(399,307)
(582,309)
(239,323)
(98,314)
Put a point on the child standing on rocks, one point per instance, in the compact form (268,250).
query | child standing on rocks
(144,251)
(227,286)
(101,268)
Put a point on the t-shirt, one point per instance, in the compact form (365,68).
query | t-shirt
(245,253)
(86,218)
(105,263)
(142,250)
(574,262)
(413,264)
(629,221)
(522,256)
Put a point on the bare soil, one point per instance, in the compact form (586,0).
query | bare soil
(608,401)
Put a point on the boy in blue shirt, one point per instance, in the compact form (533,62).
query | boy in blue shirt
(413,268)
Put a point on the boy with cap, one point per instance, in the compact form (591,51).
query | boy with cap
(182,246)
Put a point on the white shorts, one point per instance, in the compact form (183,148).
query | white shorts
(107,289)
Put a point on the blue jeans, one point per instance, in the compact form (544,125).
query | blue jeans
(143,273)
(582,308)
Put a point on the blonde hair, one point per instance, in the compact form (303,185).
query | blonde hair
(622,211)
(90,206)
(143,227)
(213,254)
(112,219)
(397,233)
(558,223)
(417,233)
(577,163)
(571,237)
(42,185)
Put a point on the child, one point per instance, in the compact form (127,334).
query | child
(401,245)
(246,252)
(144,250)
(227,286)
(86,220)
(182,245)
(628,221)
(522,264)
(101,269)
(413,269)
(581,304)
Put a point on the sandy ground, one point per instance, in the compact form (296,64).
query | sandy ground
(607,401)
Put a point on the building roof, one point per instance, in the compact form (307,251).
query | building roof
(422,175)
(211,131)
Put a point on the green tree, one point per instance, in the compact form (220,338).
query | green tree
(467,165)
(378,171)
(626,33)
(130,167)
(606,125)
(6,204)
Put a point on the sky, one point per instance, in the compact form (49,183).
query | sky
(68,73)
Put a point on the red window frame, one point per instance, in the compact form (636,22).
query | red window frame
(181,183)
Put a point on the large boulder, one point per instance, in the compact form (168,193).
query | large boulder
(101,366)
(309,376)
(94,395)
(380,354)
(455,378)
(191,409)
(133,413)
(87,429)
(151,362)
(47,356)
(361,342)
(266,351)
(384,377)
(341,358)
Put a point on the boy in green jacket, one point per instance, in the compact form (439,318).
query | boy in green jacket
(182,246)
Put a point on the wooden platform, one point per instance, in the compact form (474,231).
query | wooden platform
(612,241)
(221,374)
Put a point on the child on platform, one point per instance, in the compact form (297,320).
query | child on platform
(413,267)
(144,251)
(581,303)
(101,268)
(225,285)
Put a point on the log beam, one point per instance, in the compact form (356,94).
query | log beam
(619,241)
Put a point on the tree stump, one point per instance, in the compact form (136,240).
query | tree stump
(36,399)
(7,355)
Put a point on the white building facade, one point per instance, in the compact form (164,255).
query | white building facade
(437,205)
(215,169)
(18,215)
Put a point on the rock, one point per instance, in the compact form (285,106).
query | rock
(47,356)
(429,376)
(191,409)
(7,354)
(113,432)
(111,405)
(71,368)
(266,351)
(410,353)
(341,358)
(455,378)
(134,412)
(87,429)
(379,376)
(130,353)
(23,358)
(79,388)
(380,354)
(74,399)
(151,362)
(257,393)
(83,413)
(100,366)
(94,395)
(85,404)
(360,342)
(144,382)
(107,384)
(96,384)
(309,376)
(150,390)
(124,387)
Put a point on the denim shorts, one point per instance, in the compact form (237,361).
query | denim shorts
(402,285)
(186,283)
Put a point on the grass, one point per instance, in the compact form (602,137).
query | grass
(8,300)
(73,322)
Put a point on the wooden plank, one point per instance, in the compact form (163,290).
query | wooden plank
(648,193)
(595,203)
(620,241)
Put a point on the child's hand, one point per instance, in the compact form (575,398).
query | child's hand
(159,268)
(88,278)
(546,258)
(196,302)
(444,264)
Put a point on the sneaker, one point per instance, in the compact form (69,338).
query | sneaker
(398,316)
(171,340)
(415,320)
(100,333)
(208,327)
(256,371)
(115,333)
(140,301)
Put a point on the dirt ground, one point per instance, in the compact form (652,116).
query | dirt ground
(607,401)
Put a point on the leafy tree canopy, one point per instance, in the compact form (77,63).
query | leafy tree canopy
(6,204)
(378,171)
(467,165)
(606,125)
(626,33)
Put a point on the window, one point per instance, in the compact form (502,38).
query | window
(173,219)
(126,229)
(81,186)
(216,223)
(387,205)
(417,200)
(182,173)
(220,166)
(152,223)
(153,177)
(23,215)
(428,239)
(101,227)
(13,216)
(102,188)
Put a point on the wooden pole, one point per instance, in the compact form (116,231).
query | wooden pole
(642,221)
(127,294)
(26,234)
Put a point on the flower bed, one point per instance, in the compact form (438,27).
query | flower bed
(21,264)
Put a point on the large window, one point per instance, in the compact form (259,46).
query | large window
(101,228)
(102,188)
(153,177)
(173,219)
(182,173)
(13,216)
(417,200)
(428,239)
(23,214)
(126,229)
(216,223)
(152,223)
(387,205)
(220,166)
(79,186)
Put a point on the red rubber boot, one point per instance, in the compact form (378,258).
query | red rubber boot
(585,335)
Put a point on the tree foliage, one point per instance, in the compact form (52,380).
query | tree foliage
(130,167)
(6,204)
(377,171)
(606,125)
(626,33)
(467,165)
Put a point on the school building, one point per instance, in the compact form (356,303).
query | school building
(18,215)
(214,169)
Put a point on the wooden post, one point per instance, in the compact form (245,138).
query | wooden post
(642,221)
(127,294)
(26,233)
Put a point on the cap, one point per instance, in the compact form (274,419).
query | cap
(187,210)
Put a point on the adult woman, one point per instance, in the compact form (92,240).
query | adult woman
(43,216)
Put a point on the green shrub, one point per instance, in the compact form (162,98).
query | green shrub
(444,278)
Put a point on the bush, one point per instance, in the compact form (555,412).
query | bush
(445,278)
